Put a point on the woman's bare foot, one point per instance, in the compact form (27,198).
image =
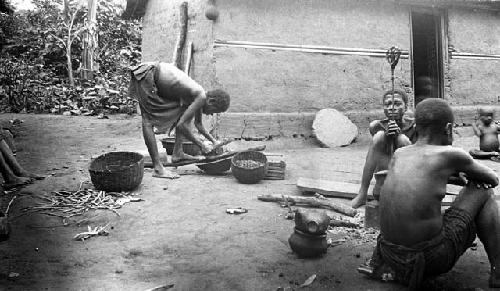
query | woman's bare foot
(185,157)
(17,182)
(358,201)
(163,173)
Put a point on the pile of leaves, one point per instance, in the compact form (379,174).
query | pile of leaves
(34,66)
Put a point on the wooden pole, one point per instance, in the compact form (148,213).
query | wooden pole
(189,56)
(181,40)
(208,159)
(310,201)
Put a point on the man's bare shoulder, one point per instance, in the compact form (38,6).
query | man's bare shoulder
(170,74)
(444,150)
(170,68)
(452,154)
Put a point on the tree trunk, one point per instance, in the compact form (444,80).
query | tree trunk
(90,42)
(69,64)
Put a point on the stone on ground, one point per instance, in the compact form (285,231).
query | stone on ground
(333,129)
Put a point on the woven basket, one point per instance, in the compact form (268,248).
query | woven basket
(117,171)
(217,167)
(247,175)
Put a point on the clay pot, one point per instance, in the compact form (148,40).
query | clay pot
(307,245)
(311,221)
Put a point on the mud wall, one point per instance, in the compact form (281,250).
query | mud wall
(276,93)
(281,81)
(472,81)
(161,30)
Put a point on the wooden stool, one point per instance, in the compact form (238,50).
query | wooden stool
(372,216)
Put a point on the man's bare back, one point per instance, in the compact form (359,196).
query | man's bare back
(415,185)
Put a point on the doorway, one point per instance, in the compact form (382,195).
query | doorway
(427,53)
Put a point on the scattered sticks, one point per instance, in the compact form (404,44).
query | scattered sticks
(8,206)
(66,204)
(98,230)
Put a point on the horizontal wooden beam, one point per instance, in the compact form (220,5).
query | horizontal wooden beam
(338,50)
(307,48)
(471,56)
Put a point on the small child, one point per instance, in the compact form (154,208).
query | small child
(487,131)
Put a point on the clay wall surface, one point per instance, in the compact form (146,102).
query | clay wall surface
(474,82)
(281,81)
(161,30)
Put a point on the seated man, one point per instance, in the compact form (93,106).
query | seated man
(168,99)
(416,241)
(385,136)
(487,130)
(13,173)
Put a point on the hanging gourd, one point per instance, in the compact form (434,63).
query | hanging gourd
(212,12)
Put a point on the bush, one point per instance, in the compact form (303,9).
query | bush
(33,67)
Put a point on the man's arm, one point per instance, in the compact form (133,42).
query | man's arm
(474,170)
(198,123)
(183,124)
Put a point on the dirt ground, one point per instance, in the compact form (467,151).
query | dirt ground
(181,234)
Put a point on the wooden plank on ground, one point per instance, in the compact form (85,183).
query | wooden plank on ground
(349,190)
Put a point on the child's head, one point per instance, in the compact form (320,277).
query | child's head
(434,117)
(486,115)
(217,101)
(400,104)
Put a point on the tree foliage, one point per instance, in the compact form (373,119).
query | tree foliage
(34,69)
